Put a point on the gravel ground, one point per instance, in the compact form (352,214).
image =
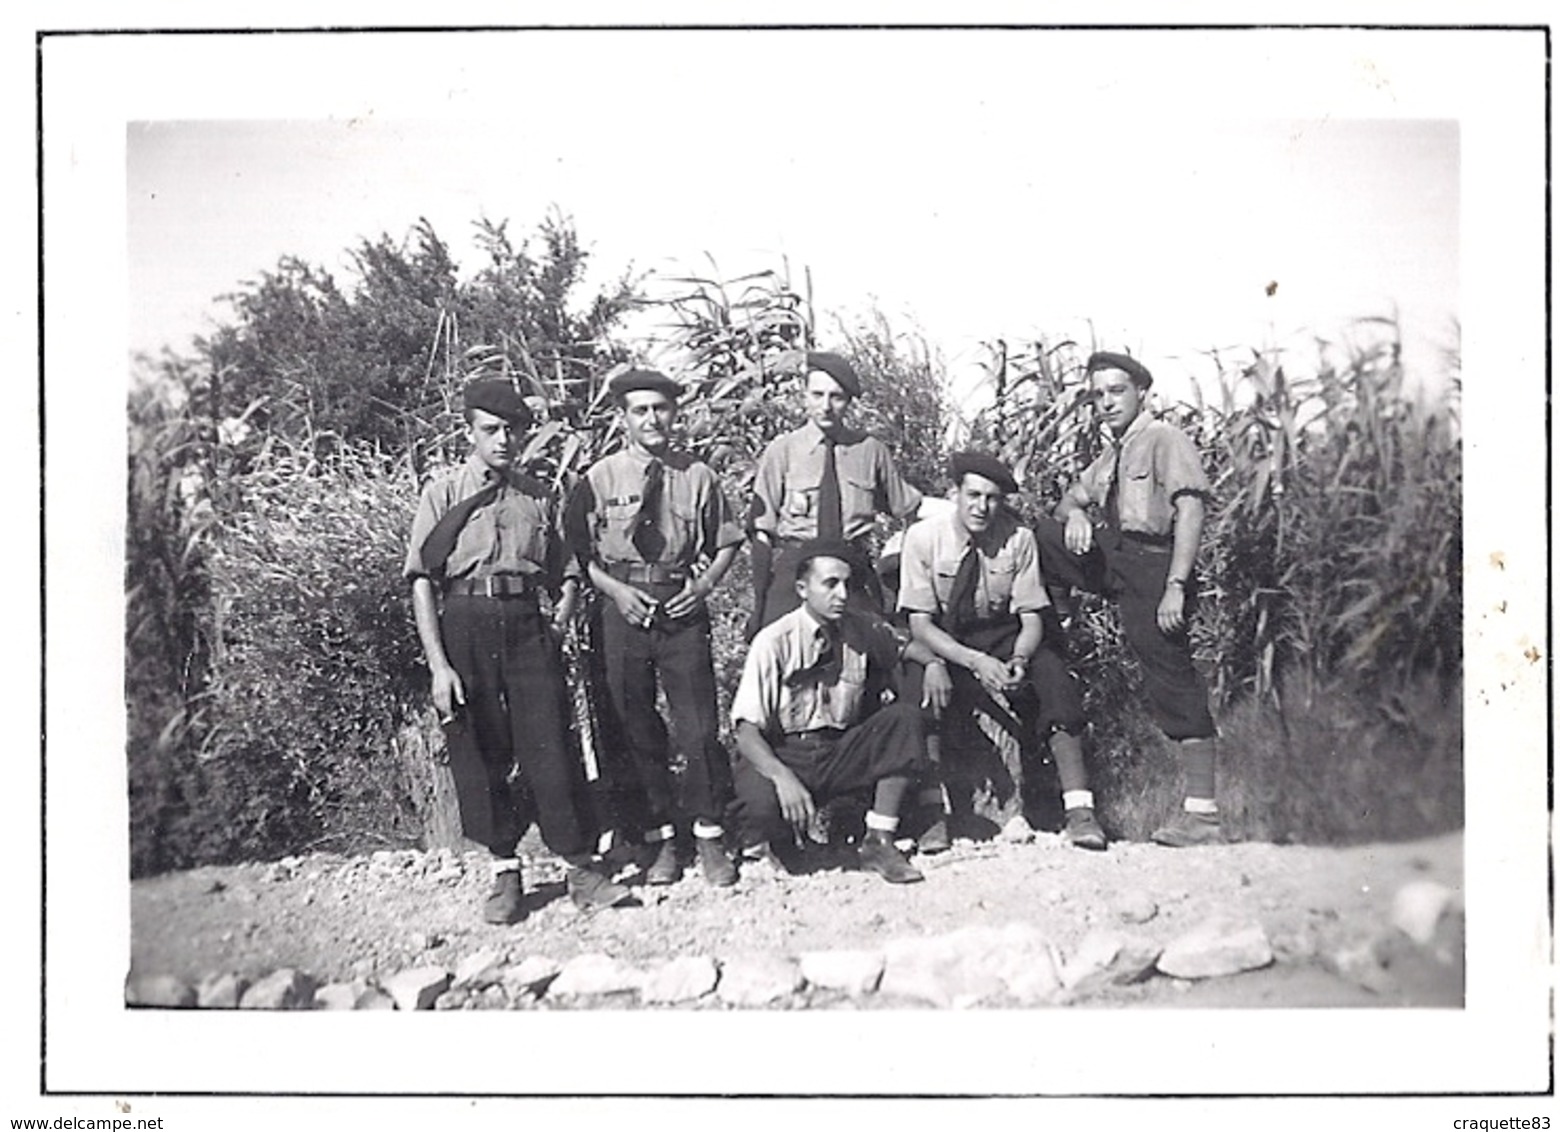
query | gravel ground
(338,918)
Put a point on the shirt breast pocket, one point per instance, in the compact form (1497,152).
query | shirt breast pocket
(856,495)
(801,503)
(1140,507)
(1000,572)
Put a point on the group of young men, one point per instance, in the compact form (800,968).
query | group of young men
(834,697)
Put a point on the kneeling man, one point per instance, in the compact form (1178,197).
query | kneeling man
(806,727)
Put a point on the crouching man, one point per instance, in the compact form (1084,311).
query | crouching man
(806,728)
(485,543)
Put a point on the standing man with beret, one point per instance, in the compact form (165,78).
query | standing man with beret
(971,584)
(809,721)
(484,544)
(1151,489)
(653,528)
(822,480)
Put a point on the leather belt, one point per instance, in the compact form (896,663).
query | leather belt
(1143,538)
(647,573)
(494,585)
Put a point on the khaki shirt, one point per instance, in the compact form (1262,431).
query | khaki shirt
(1008,583)
(790,472)
(1158,463)
(518,533)
(778,694)
(694,517)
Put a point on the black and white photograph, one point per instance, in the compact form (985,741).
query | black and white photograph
(827,561)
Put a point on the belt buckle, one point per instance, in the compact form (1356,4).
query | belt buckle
(488,585)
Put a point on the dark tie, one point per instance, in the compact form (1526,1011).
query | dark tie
(648,538)
(961,596)
(828,654)
(1113,493)
(440,542)
(831,524)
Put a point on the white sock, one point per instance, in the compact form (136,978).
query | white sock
(1204,806)
(1078,799)
(502,865)
(708,830)
(665,833)
(881,822)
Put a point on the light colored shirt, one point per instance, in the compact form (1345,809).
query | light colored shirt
(1158,463)
(783,690)
(790,472)
(694,516)
(517,533)
(1008,581)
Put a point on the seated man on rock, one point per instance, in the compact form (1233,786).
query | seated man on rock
(809,721)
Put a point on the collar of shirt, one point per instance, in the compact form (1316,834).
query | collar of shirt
(1134,430)
(989,541)
(844,436)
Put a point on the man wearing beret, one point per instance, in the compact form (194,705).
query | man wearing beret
(822,480)
(810,722)
(485,543)
(1150,487)
(653,528)
(971,584)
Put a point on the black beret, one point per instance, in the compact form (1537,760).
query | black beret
(634,380)
(498,395)
(829,548)
(980,464)
(837,368)
(1133,368)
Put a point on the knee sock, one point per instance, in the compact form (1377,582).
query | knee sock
(1197,763)
(1067,750)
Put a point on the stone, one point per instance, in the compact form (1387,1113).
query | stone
(1360,964)
(338,996)
(220,991)
(158,990)
(971,966)
(480,968)
(1135,908)
(1017,831)
(374,998)
(595,973)
(680,980)
(1418,907)
(416,988)
(1215,948)
(854,972)
(533,973)
(1107,959)
(455,998)
(758,979)
(284,989)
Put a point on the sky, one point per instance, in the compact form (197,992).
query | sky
(981,183)
(929,175)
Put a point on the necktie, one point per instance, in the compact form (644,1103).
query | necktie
(1113,493)
(831,524)
(440,542)
(828,654)
(648,537)
(961,595)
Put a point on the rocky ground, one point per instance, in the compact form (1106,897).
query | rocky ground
(1023,919)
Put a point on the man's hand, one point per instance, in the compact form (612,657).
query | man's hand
(1172,610)
(686,600)
(992,673)
(1018,671)
(936,688)
(1079,535)
(796,801)
(448,692)
(636,606)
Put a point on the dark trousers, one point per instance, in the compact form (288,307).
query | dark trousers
(508,757)
(1133,574)
(678,653)
(888,742)
(780,597)
(1049,700)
